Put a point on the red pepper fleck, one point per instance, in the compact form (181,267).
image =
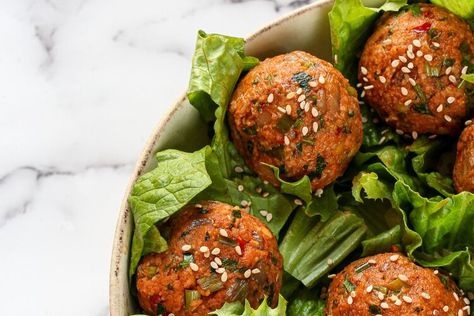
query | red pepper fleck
(242,244)
(428,14)
(425,27)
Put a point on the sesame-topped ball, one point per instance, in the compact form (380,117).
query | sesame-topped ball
(463,174)
(390,284)
(299,114)
(410,70)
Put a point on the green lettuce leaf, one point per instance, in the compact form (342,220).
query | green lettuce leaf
(463,8)
(468,77)
(306,303)
(161,192)
(237,309)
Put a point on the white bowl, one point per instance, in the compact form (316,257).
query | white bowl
(304,29)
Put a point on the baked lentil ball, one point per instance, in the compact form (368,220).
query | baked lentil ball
(217,253)
(411,66)
(298,113)
(390,284)
(463,174)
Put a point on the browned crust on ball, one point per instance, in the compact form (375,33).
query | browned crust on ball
(463,174)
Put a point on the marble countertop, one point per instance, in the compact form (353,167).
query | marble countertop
(83,83)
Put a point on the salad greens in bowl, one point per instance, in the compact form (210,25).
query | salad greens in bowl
(396,194)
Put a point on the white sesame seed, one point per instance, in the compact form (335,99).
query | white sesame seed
(448,70)
(265,194)
(220,270)
(464,70)
(282,110)
(224,277)
(387,41)
(263,213)
(364,119)
(365,79)
(313,84)
(301,98)
(330,262)
(258,189)
(408,102)
(395,63)
(403,277)
(331,276)
(287,140)
(412,81)
(393,298)
(306,107)
(404,91)
(466,301)
(362,94)
(216,251)
(410,65)
(350,300)
(218,260)
(239,169)
(428,57)
(407,299)
(299,91)
(381,296)
(417,43)
(359,85)
(193,266)
(270,98)
(445,308)
(460,312)
(406,70)
(265,182)
(302,104)
(452,79)
(435,271)
(384,305)
(410,54)
(223,232)
(451,100)
(298,202)
(315,127)
(398,302)
(363,70)
(353,293)
(214,265)
(425,295)
(369,87)
(290,95)
(382,140)
(394,258)
(186,248)
(319,192)
(203,249)
(269,217)
(468,122)
(369,288)
(419,53)
(321,79)
(414,134)
(197,205)
(256,271)
(238,250)
(439,109)
(244,203)
(382,79)
(372,261)
(240,188)
(403,59)
(448,118)
(435,312)
(314,112)
(399,131)
(456,296)
(171,314)
(436,44)
(288,109)
(247,273)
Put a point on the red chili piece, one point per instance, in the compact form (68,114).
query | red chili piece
(425,27)
(242,243)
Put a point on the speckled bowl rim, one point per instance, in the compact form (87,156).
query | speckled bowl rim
(121,241)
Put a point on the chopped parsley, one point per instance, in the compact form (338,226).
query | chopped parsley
(320,166)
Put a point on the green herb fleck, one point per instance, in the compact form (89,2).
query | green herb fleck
(433,33)
(251,130)
(448,62)
(362,267)
(432,71)
(207,236)
(351,113)
(299,148)
(284,123)
(237,214)
(346,129)
(420,93)
(308,141)
(422,108)
(160,309)
(415,9)
(187,259)
(375,310)
(255,81)
(348,285)
(229,264)
(320,166)
(302,78)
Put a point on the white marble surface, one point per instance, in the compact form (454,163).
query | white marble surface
(82,84)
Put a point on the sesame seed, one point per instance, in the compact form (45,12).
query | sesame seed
(197,205)
(321,79)
(193,266)
(265,194)
(239,169)
(265,182)
(412,81)
(464,70)
(381,296)
(404,91)
(456,296)
(269,217)
(301,98)
(410,54)
(203,249)
(419,53)
(406,70)
(223,232)
(436,44)
(435,312)
(298,202)
(287,140)
(270,98)
(350,300)
(372,261)
(220,270)
(395,63)
(216,251)
(435,271)
(382,140)
(369,288)
(410,65)
(407,103)
(186,248)
(214,265)
(312,84)
(384,305)
(369,87)
(288,109)
(417,43)
(364,119)
(258,189)
(330,262)
(445,308)
(363,70)
(331,276)
(247,273)
(382,79)
(224,277)
(319,192)
(460,312)
(448,118)
(410,48)
(451,100)
(362,94)
(299,91)
(403,277)
(306,107)
(171,314)
(302,104)
(466,301)
(315,127)
(468,122)
(407,299)
(365,79)
(282,110)
(218,260)
(428,57)
(393,298)
(359,85)
(448,70)
(394,258)
(290,95)
(263,213)
(244,203)
(314,112)
(353,293)
(452,79)
(240,188)
(398,302)
(238,250)
(414,134)
(256,271)
(399,131)
(439,109)
(387,41)
(403,59)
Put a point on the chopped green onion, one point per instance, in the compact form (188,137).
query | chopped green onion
(227,241)
(237,292)
(229,264)
(187,259)
(151,271)
(236,214)
(396,285)
(363,267)
(422,108)
(468,77)
(420,93)
(448,62)
(189,297)
(381,289)
(285,123)
(375,310)
(348,285)
(211,283)
(432,71)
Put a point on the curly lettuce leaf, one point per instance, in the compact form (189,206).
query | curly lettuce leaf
(306,303)
(161,192)
(237,309)
(463,8)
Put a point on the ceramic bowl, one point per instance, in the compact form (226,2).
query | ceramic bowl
(304,29)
